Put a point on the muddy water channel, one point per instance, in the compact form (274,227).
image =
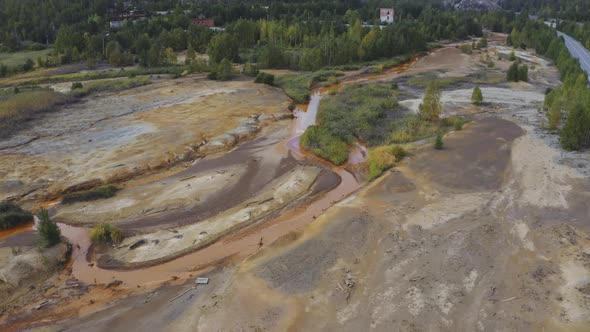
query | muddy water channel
(248,241)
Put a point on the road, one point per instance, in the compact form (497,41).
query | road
(578,51)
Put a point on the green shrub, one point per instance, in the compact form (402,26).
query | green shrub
(265,78)
(466,48)
(106,234)
(412,128)
(48,229)
(477,96)
(458,125)
(250,69)
(512,56)
(438,143)
(321,142)
(12,216)
(90,195)
(383,158)
(108,85)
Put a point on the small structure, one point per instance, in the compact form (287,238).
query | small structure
(116,24)
(386,15)
(205,22)
(202,281)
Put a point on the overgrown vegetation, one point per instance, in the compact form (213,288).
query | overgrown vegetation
(384,157)
(21,107)
(264,78)
(438,142)
(108,85)
(12,216)
(352,113)
(90,195)
(50,232)
(298,86)
(106,234)
(518,72)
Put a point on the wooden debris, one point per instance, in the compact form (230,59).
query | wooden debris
(181,294)
(510,299)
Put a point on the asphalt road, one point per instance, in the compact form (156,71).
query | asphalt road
(578,51)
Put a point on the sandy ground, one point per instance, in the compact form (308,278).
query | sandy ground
(169,243)
(116,136)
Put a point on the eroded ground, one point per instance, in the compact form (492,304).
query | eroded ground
(489,234)
(118,136)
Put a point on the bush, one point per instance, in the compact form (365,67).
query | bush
(106,234)
(90,195)
(21,107)
(250,70)
(466,48)
(412,128)
(512,56)
(48,229)
(265,78)
(77,85)
(458,124)
(383,158)
(321,142)
(12,216)
(438,144)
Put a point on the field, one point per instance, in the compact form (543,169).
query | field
(19,58)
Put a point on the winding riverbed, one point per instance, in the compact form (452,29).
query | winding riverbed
(245,243)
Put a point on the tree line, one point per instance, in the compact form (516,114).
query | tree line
(568,106)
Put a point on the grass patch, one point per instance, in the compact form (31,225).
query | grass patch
(19,58)
(21,107)
(138,71)
(12,216)
(299,86)
(106,234)
(412,128)
(382,158)
(90,195)
(109,85)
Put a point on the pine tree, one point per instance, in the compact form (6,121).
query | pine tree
(523,73)
(477,96)
(48,229)
(190,53)
(431,106)
(224,70)
(512,75)
(438,144)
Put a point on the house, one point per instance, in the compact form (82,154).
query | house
(386,15)
(116,24)
(205,22)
